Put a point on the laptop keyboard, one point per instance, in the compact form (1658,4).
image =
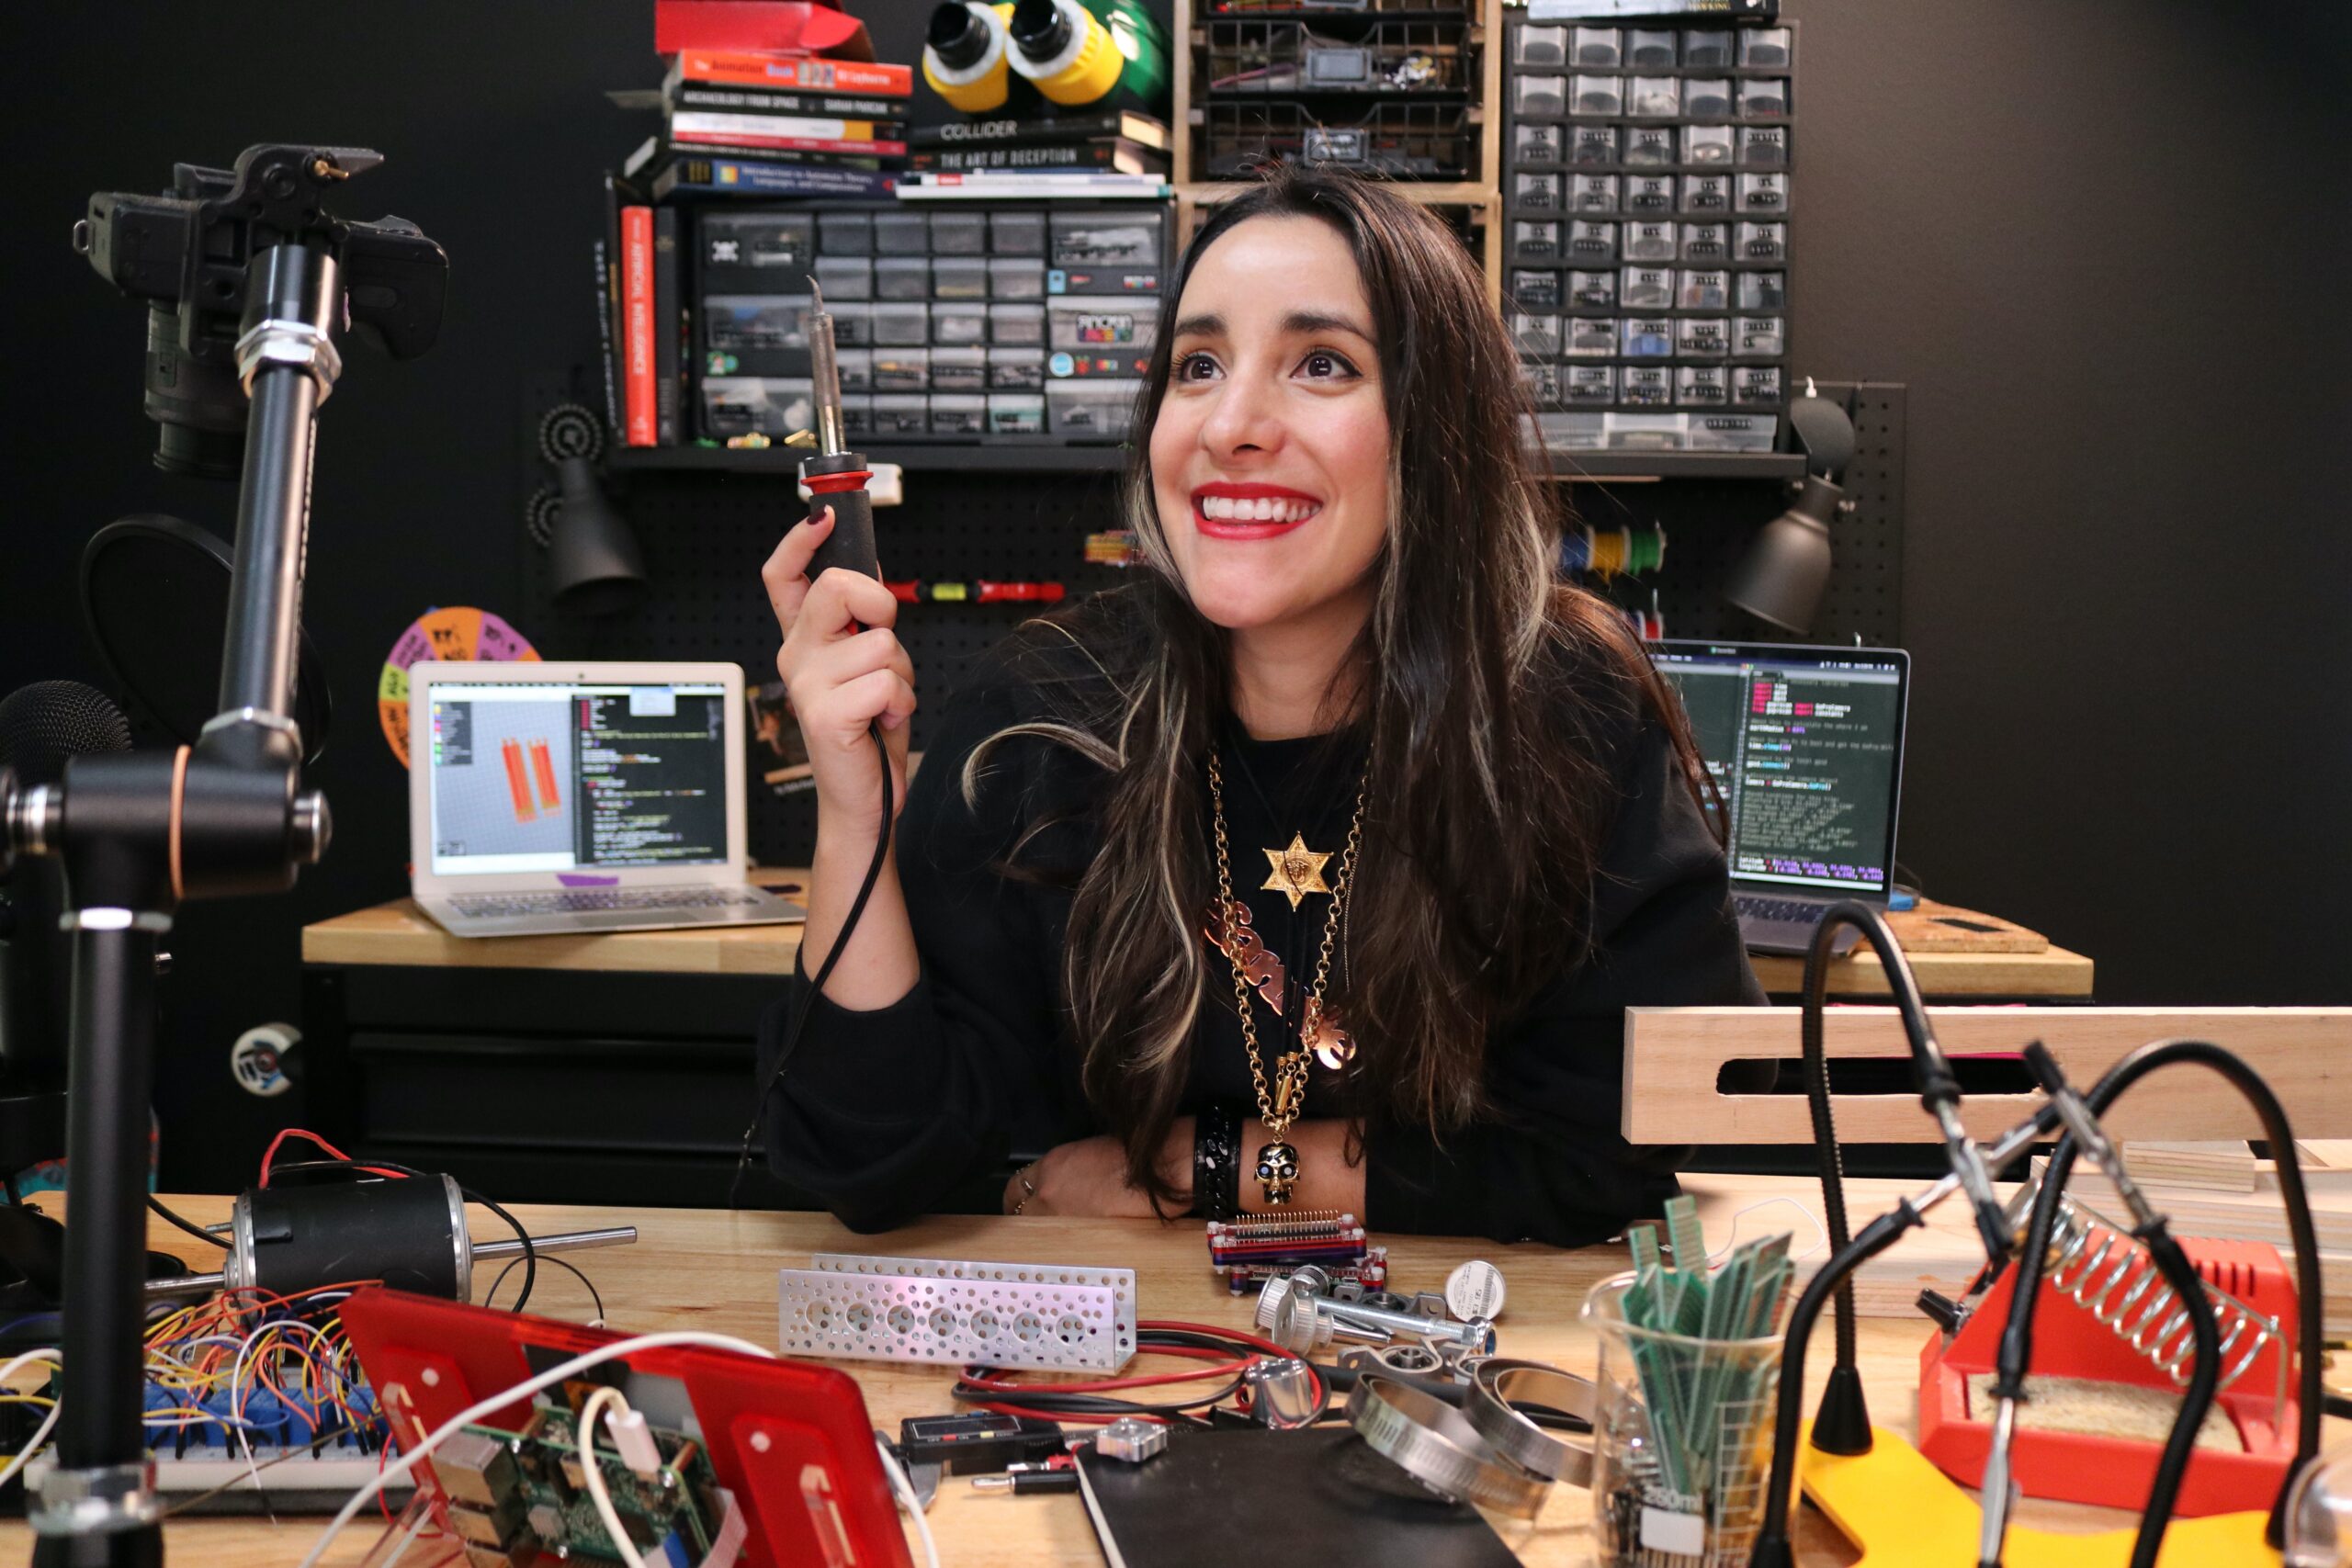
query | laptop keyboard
(580,901)
(1756,906)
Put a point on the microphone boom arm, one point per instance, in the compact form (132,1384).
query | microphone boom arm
(138,833)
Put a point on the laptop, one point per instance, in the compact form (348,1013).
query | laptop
(1806,746)
(580,797)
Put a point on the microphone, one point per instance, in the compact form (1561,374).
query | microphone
(43,723)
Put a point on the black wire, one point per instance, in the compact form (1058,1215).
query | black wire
(825,971)
(491,1295)
(186,1225)
(1045,1400)
(1042,1399)
(1824,1128)
(2337,1405)
(530,1254)
(2204,1381)
(2301,1232)
(1835,1276)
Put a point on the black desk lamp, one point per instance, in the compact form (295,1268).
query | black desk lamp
(594,567)
(1786,570)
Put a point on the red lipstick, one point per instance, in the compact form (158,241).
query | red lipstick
(1251,528)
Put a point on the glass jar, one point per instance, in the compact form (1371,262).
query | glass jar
(1682,1441)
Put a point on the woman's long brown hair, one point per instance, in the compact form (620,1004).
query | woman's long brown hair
(1488,691)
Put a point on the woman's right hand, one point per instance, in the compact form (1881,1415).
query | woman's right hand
(844,669)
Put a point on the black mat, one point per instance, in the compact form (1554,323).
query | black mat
(1235,1498)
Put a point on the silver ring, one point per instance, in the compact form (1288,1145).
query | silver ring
(1409,1358)
(1430,1441)
(1501,1383)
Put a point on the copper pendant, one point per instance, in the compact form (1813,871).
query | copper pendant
(1332,1045)
(1320,1033)
(1278,1170)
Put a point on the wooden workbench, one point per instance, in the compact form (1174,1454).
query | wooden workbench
(714,1269)
(1950,962)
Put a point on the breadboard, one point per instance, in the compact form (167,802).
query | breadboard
(1036,1316)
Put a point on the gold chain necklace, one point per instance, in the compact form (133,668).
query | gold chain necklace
(1279,1106)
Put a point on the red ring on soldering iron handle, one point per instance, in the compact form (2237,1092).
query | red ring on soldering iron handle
(828,473)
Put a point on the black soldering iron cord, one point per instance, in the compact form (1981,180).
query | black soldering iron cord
(2017,1338)
(808,1003)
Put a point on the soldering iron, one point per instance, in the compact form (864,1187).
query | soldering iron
(836,477)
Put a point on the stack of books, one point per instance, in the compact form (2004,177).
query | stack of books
(1090,154)
(734,123)
(745,123)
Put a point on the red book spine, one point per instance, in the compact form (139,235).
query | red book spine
(789,143)
(806,74)
(637,324)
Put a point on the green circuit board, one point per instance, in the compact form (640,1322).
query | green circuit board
(518,1497)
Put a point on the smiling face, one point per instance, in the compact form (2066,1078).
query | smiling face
(1270,455)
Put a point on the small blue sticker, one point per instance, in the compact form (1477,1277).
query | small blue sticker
(1061,364)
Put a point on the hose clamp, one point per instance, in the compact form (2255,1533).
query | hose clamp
(1500,1385)
(1437,1446)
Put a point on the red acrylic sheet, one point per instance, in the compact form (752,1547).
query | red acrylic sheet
(790,1440)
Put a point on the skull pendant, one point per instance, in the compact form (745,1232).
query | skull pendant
(1278,1170)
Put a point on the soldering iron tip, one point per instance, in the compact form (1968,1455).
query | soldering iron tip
(817,295)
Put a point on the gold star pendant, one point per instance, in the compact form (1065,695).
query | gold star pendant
(1297,871)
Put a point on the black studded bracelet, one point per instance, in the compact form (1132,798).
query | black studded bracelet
(1216,1161)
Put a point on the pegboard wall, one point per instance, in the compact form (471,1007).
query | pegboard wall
(706,533)
(1708,524)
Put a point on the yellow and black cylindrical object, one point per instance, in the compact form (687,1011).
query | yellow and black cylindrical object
(965,54)
(1065,49)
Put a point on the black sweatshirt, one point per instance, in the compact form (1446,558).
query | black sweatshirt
(882,1112)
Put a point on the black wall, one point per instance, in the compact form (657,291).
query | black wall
(2102,242)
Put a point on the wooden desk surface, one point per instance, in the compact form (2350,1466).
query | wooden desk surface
(400,933)
(715,1270)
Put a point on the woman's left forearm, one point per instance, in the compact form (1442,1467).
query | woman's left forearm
(1325,1179)
(1089,1176)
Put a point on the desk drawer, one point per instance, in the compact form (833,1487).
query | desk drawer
(524,1091)
(553,1002)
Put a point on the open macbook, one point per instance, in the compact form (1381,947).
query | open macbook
(1806,746)
(580,797)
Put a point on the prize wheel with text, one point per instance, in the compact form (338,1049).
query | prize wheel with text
(450,635)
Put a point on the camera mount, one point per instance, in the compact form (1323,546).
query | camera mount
(249,282)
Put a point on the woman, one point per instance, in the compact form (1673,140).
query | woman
(1314,868)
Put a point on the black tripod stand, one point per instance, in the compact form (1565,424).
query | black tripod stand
(249,282)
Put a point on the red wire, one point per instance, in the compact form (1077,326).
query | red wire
(1268,1346)
(269,1155)
(984,1384)
(1110,1385)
